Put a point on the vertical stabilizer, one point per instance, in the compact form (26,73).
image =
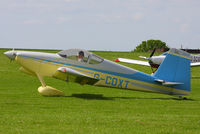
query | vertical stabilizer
(175,69)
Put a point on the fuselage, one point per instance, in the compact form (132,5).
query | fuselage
(157,60)
(108,73)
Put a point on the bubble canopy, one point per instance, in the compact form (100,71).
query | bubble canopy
(73,54)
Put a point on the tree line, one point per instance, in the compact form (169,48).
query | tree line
(148,45)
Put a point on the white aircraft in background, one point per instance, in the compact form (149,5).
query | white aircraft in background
(155,61)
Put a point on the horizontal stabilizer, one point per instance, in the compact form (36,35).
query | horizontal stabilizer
(168,83)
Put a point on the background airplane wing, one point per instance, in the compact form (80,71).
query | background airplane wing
(71,75)
(195,64)
(139,62)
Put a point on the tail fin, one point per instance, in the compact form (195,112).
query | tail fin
(175,69)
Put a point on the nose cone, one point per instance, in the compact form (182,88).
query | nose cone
(10,54)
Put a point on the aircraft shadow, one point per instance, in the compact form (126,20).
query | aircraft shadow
(101,97)
(91,96)
(195,77)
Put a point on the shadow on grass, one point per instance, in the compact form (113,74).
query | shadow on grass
(101,97)
(195,77)
(91,96)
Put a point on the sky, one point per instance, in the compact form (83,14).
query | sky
(110,25)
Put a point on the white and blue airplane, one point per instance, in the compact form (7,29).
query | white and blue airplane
(76,65)
(155,61)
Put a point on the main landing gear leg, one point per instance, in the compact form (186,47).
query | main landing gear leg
(47,90)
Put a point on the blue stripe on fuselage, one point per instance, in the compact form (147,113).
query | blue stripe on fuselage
(140,76)
(136,76)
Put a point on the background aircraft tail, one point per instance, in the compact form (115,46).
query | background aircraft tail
(175,70)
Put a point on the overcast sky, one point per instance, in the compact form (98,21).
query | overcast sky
(117,25)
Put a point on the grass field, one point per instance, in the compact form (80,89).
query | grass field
(93,110)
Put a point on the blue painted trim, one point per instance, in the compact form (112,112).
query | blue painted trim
(175,68)
(140,76)
(136,76)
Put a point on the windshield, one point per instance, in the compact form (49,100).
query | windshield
(94,59)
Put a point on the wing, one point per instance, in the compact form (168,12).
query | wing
(195,64)
(139,62)
(71,75)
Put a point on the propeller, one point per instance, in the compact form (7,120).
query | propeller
(149,59)
(153,52)
(11,54)
(14,54)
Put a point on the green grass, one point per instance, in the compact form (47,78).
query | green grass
(92,110)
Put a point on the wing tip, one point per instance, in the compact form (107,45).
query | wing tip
(117,60)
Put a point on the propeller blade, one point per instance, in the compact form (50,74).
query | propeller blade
(153,52)
(149,58)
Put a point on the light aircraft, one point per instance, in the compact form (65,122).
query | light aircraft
(155,61)
(172,77)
